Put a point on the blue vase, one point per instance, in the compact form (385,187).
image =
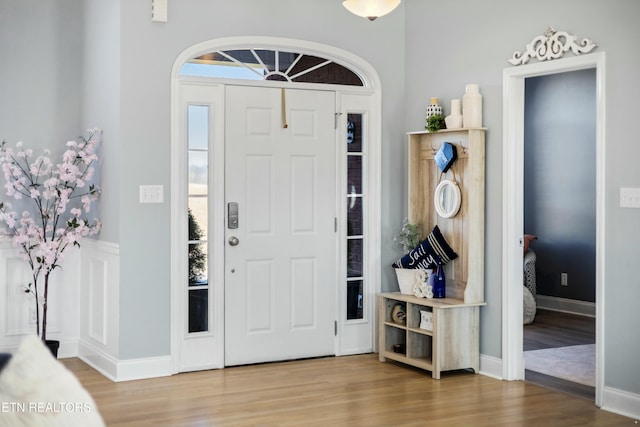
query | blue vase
(439,283)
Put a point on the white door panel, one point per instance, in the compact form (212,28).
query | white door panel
(280,279)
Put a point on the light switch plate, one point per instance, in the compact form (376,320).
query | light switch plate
(151,194)
(630,197)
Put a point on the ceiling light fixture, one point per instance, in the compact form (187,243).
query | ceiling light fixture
(370,9)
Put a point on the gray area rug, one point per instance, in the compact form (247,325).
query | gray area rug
(576,363)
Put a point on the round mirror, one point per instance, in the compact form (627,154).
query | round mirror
(447,199)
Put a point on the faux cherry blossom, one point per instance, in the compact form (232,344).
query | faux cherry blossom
(56,201)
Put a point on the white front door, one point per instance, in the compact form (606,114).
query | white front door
(280,258)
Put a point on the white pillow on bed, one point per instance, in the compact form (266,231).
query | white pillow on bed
(38,390)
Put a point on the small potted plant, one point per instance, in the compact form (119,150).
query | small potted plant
(435,123)
(409,237)
(55,201)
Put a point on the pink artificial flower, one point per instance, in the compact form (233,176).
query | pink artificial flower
(86,203)
(68,156)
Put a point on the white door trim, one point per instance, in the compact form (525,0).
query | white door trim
(513,210)
(371,90)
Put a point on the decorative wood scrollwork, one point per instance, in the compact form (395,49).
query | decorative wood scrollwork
(552,45)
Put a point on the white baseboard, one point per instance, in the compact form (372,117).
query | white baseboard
(124,370)
(491,366)
(99,360)
(139,369)
(621,402)
(68,347)
(564,305)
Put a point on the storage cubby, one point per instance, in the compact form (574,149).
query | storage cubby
(420,347)
(452,344)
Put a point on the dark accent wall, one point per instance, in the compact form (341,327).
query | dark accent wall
(559,181)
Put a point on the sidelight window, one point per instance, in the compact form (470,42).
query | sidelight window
(198,217)
(355,218)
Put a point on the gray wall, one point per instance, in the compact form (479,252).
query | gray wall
(101,104)
(41,73)
(560,181)
(148,51)
(452,43)
(423,49)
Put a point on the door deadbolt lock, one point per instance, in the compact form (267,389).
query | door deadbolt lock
(232,215)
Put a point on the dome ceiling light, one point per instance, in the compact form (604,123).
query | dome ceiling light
(370,9)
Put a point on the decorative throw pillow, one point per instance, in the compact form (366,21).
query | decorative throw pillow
(427,255)
(38,390)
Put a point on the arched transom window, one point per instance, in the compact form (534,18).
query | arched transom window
(267,64)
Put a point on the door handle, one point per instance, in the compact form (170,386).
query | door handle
(233,241)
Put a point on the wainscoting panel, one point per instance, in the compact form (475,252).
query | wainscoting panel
(20,315)
(17,308)
(97,280)
(99,313)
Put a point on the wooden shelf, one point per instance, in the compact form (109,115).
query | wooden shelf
(454,340)
(452,344)
(423,363)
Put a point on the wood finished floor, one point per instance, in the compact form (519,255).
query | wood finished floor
(552,329)
(335,391)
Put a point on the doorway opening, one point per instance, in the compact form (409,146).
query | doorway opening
(335,293)
(559,263)
(513,208)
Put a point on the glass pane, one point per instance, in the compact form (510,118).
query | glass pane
(306,62)
(198,310)
(227,71)
(198,264)
(198,170)
(331,73)
(354,258)
(198,219)
(354,174)
(354,300)
(354,216)
(354,133)
(241,55)
(276,78)
(215,64)
(198,127)
(268,58)
(286,59)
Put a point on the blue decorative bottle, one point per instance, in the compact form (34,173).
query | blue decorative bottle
(439,282)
